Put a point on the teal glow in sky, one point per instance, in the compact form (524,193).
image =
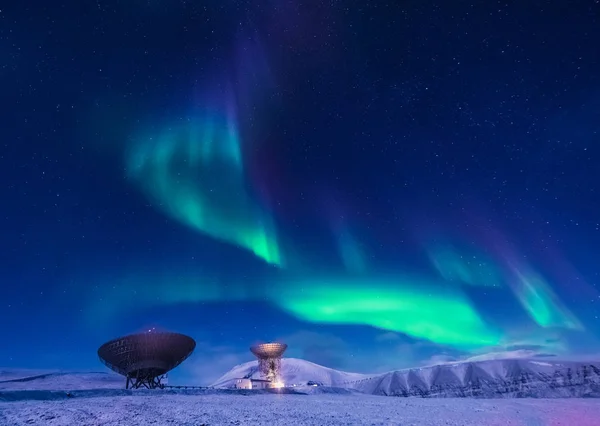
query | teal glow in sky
(351,252)
(413,306)
(194,172)
(541,303)
(433,308)
(471,269)
(408,305)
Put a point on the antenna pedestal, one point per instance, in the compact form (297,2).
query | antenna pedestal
(148,382)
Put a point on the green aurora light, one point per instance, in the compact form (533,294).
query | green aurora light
(540,302)
(454,266)
(194,173)
(410,306)
(351,252)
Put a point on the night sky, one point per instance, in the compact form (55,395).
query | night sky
(378,184)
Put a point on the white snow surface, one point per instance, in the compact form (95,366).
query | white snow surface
(499,378)
(65,399)
(291,410)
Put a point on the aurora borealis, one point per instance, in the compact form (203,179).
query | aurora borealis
(402,305)
(195,174)
(244,174)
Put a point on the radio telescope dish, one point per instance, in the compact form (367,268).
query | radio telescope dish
(145,357)
(269,359)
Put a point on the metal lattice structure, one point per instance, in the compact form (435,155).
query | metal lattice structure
(145,358)
(269,359)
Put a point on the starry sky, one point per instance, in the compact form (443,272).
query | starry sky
(378,184)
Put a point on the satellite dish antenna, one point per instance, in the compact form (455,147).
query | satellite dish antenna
(269,359)
(144,358)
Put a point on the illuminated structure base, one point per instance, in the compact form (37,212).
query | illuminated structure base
(136,382)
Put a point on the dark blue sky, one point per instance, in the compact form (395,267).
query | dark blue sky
(245,171)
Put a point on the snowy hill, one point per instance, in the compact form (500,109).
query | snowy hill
(293,372)
(45,380)
(503,378)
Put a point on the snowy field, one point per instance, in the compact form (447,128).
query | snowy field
(290,410)
(55,398)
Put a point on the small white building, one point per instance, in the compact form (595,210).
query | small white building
(252,384)
(243,384)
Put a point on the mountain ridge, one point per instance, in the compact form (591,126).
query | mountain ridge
(499,378)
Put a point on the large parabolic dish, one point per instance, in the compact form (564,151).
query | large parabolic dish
(269,359)
(268,350)
(143,358)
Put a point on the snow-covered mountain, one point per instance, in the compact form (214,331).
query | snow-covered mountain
(503,378)
(293,372)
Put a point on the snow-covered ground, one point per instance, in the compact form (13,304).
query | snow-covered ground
(98,398)
(15,380)
(274,409)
